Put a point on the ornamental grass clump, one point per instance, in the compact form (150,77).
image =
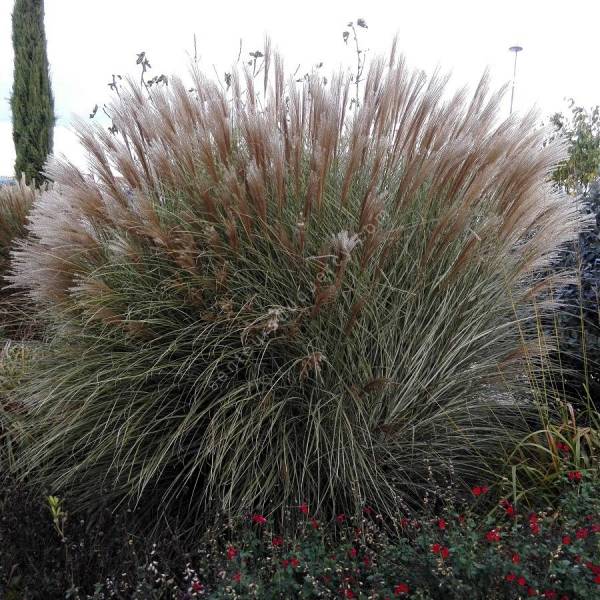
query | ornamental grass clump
(272,294)
(15,203)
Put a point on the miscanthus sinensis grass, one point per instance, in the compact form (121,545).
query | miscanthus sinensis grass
(269,294)
(15,203)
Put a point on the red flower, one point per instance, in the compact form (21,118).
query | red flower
(441,523)
(445,553)
(237,577)
(510,577)
(341,518)
(595,569)
(231,553)
(404,522)
(478,490)
(314,523)
(493,535)
(353,552)
(303,508)
(516,559)
(550,594)
(533,524)
(574,475)
(348,594)
(294,562)
(401,588)
(531,592)
(284,563)
(259,519)
(277,541)
(436,548)
(197,586)
(509,509)
(367,561)
(596,528)
(563,447)
(582,533)
(522,581)
(535,528)
(597,579)
(564,597)
(368,510)
(461,518)
(566,540)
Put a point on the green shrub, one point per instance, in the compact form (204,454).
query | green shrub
(275,296)
(576,323)
(580,130)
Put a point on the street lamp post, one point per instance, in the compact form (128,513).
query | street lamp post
(516,50)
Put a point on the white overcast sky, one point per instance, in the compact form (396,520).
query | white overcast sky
(88,40)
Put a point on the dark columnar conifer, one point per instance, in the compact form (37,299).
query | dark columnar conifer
(31,101)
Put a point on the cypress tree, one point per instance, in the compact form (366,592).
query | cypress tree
(31,101)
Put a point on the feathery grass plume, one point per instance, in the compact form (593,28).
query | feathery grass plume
(260,299)
(17,322)
(15,309)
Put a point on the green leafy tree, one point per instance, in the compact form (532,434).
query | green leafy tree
(31,102)
(581,131)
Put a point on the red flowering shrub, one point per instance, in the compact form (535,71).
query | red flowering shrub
(366,557)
